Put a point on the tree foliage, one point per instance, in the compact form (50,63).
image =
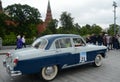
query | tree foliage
(52,26)
(66,22)
(111,29)
(24,16)
(85,30)
(93,29)
(76,29)
(96,29)
(3,17)
(68,26)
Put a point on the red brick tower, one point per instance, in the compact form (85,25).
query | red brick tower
(42,27)
(48,14)
(1,9)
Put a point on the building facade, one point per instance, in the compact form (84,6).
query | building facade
(43,26)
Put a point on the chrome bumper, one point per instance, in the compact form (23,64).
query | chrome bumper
(10,71)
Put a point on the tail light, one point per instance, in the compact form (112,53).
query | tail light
(8,54)
(15,61)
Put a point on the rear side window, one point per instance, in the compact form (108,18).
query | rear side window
(63,43)
(40,43)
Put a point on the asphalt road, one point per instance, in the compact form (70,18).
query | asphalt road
(108,72)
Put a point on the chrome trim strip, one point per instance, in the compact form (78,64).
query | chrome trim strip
(11,72)
(68,66)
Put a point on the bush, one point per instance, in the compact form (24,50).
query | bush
(29,41)
(7,42)
(12,41)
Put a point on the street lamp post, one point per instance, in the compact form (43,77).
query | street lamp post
(114,5)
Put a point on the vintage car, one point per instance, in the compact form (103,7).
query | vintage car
(51,53)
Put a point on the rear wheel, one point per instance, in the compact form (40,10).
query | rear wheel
(49,73)
(98,60)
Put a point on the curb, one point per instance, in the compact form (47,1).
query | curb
(3,53)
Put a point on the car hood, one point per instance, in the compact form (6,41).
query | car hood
(95,47)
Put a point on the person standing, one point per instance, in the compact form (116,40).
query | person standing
(100,39)
(23,41)
(104,40)
(108,41)
(88,40)
(19,42)
(119,40)
(115,42)
(93,39)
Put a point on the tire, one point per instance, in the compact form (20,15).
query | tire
(49,73)
(98,60)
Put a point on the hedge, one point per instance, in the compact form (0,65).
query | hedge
(12,41)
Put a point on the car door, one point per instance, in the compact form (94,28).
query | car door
(65,52)
(80,49)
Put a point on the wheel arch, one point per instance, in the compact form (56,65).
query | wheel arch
(103,55)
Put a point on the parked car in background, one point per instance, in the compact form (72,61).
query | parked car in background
(51,53)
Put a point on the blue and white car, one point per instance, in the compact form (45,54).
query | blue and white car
(51,53)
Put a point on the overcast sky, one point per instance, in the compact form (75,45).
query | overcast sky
(84,12)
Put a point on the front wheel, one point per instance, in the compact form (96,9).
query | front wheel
(49,73)
(98,60)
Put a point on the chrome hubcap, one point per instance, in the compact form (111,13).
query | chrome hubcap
(49,71)
(98,59)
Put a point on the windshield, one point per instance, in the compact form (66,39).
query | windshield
(40,43)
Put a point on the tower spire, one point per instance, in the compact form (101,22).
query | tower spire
(48,7)
(43,26)
(48,14)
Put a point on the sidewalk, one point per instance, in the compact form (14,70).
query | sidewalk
(6,49)
(2,52)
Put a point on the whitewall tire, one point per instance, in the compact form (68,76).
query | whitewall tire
(98,60)
(49,73)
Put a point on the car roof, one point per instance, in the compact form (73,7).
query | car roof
(54,36)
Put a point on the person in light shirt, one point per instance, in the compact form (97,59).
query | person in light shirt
(23,41)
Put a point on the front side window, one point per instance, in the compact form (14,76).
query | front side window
(78,42)
(63,43)
(40,43)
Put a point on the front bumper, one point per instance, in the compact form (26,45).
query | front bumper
(10,71)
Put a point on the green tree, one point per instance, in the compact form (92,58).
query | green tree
(111,29)
(24,15)
(96,29)
(66,22)
(85,30)
(76,29)
(2,31)
(32,30)
(3,17)
(77,26)
(46,32)
(52,26)
(60,30)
